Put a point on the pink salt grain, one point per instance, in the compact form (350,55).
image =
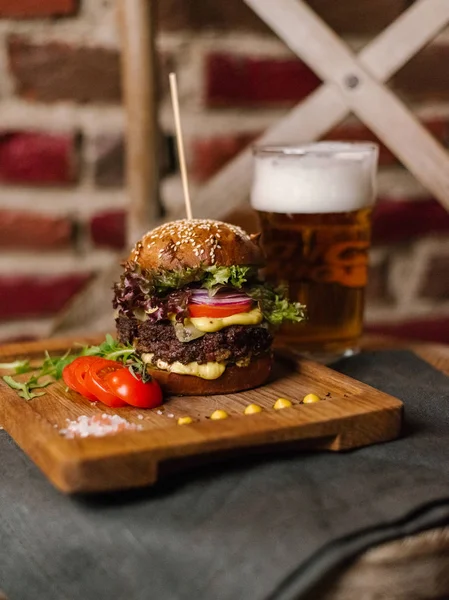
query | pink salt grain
(97,426)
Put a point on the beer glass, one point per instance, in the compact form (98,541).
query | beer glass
(314,204)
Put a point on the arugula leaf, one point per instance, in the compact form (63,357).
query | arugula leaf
(15,385)
(53,366)
(24,390)
(109,349)
(19,366)
(30,395)
(275,306)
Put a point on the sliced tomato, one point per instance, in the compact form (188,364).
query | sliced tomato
(69,378)
(96,384)
(218,312)
(133,390)
(80,367)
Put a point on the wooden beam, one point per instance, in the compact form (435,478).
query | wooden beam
(142,133)
(92,308)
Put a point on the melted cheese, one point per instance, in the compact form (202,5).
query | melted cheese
(209,325)
(210,370)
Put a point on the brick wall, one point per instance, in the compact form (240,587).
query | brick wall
(62,196)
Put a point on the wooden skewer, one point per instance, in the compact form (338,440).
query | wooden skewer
(180,143)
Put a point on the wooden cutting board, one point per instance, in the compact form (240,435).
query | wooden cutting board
(351,414)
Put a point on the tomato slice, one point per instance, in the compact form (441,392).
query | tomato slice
(96,384)
(218,312)
(133,390)
(80,366)
(69,378)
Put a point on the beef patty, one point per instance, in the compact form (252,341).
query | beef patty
(232,343)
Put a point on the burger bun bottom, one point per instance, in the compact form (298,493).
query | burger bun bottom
(234,379)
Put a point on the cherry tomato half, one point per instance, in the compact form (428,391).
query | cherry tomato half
(96,384)
(69,378)
(74,374)
(218,312)
(132,390)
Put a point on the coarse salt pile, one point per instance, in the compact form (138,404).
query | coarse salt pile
(97,426)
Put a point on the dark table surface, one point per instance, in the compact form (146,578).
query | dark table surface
(412,567)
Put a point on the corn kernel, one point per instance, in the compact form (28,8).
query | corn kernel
(185,420)
(219,414)
(310,399)
(252,409)
(282,403)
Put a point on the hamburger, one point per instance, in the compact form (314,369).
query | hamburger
(193,303)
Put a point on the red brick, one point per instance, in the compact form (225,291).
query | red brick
(397,221)
(109,161)
(429,330)
(26,296)
(29,9)
(27,231)
(435,283)
(425,76)
(358,132)
(53,71)
(348,16)
(109,229)
(378,290)
(235,80)
(209,155)
(37,158)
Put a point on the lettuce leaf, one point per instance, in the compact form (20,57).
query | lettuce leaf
(163,281)
(145,289)
(235,276)
(275,306)
(160,293)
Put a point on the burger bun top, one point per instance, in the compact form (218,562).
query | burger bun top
(196,243)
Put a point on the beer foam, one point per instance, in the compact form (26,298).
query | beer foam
(319,181)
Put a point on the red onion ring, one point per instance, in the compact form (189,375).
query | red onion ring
(221,298)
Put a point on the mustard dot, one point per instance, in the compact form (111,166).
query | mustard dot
(282,403)
(219,414)
(185,420)
(310,399)
(252,409)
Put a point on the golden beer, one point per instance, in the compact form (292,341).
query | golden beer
(324,259)
(314,204)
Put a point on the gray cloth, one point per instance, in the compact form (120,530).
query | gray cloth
(267,528)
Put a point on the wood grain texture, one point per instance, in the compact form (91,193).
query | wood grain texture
(350,415)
